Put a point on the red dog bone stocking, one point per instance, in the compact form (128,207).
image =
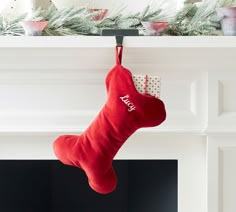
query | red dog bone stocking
(125,111)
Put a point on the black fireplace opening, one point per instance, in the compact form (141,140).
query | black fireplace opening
(50,186)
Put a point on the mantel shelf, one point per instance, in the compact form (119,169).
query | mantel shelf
(109,42)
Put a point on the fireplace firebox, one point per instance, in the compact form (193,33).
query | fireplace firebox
(49,186)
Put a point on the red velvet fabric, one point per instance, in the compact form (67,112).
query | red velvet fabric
(125,111)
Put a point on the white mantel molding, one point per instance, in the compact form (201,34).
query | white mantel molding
(109,42)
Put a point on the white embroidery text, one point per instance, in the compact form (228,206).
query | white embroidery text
(126,100)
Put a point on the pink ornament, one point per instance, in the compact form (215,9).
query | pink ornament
(154,28)
(101,14)
(33,28)
(228,22)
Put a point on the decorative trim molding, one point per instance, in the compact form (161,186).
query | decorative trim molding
(109,42)
(215,147)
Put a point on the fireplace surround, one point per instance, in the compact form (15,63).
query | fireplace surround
(55,85)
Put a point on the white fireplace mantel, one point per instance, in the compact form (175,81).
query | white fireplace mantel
(109,42)
(55,85)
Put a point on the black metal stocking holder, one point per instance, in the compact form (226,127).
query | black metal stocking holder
(120,33)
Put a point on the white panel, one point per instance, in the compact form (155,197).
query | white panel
(27,147)
(64,88)
(177,95)
(221,159)
(227,179)
(221,99)
(50,99)
(227,90)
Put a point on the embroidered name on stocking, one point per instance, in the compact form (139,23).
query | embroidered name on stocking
(126,100)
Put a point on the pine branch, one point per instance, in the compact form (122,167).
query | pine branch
(10,26)
(133,20)
(201,20)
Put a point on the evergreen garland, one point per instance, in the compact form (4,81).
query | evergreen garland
(193,19)
(133,21)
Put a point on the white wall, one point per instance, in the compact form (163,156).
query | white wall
(22,6)
(131,5)
(17,7)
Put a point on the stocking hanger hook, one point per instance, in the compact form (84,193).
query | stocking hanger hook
(119,34)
